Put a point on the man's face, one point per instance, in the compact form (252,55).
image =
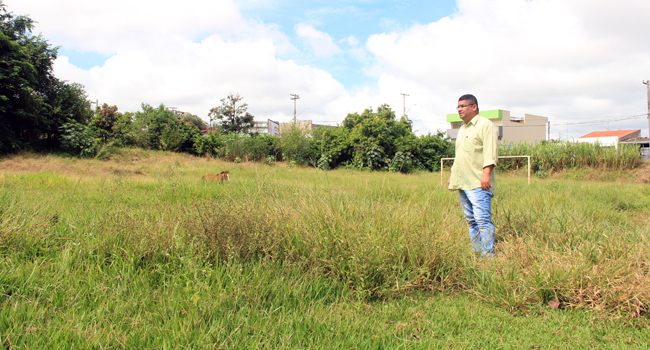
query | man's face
(466,110)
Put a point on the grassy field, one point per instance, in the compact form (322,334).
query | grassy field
(135,251)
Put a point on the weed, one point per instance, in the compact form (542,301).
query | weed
(99,259)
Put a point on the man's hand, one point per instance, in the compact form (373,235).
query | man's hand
(450,190)
(486,179)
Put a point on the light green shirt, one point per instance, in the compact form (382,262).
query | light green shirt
(476,148)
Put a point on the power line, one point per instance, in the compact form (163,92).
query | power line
(603,121)
(549,90)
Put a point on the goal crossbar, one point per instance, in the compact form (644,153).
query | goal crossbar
(442,168)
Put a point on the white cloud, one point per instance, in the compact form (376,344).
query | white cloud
(156,57)
(195,76)
(569,60)
(107,26)
(547,57)
(351,40)
(321,43)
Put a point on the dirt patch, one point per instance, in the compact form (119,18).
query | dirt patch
(136,163)
(642,173)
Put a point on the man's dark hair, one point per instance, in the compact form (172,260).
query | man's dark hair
(469,98)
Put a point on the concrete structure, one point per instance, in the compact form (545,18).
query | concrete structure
(609,138)
(619,135)
(642,142)
(305,125)
(268,127)
(530,128)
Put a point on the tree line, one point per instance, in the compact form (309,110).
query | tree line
(39,112)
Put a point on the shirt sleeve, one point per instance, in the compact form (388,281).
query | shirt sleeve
(490,148)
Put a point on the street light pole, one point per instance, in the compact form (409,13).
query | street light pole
(404,104)
(294,97)
(647,84)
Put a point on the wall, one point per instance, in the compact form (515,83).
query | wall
(531,129)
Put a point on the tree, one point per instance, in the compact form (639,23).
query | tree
(378,141)
(188,117)
(233,118)
(104,121)
(25,66)
(64,103)
(34,104)
(163,129)
(109,125)
(375,138)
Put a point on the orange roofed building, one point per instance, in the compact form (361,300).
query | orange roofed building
(609,138)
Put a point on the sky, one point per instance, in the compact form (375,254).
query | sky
(581,63)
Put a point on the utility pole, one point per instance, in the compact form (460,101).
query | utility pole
(647,84)
(404,98)
(294,97)
(549,131)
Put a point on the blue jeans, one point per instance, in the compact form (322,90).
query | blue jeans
(477,207)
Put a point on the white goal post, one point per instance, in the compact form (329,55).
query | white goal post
(442,169)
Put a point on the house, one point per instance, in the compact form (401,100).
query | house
(616,137)
(610,137)
(208,130)
(268,127)
(642,142)
(531,128)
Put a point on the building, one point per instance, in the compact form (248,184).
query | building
(610,137)
(530,128)
(268,127)
(207,131)
(615,137)
(305,125)
(642,142)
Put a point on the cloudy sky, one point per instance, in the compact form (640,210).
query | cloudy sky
(579,62)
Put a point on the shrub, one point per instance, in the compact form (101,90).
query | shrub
(293,141)
(209,144)
(77,139)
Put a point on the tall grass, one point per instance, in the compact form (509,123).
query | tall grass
(557,156)
(122,250)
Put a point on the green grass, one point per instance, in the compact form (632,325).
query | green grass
(549,157)
(138,252)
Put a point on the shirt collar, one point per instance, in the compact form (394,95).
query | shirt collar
(473,121)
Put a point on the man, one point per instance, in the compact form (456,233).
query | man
(473,173)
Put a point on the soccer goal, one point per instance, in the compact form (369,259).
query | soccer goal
(442,168)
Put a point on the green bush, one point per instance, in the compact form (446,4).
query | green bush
(258,148)
(378,141)
(293,141)
(77,139)
(164,130)
(209,144)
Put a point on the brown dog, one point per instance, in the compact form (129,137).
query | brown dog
(224,175)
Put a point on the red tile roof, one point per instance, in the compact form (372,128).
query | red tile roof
(207,131)
(619,133)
